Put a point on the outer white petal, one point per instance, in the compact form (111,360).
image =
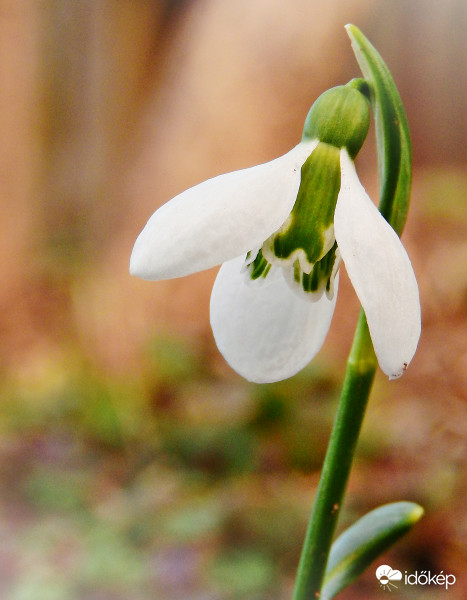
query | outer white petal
(380,271)
(220,218)
(266,333)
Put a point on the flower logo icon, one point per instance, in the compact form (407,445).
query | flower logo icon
(386,575)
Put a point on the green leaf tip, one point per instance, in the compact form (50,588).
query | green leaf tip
(364,541)
(392,131)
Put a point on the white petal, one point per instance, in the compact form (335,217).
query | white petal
(219,219)
(267,333)
(380,271)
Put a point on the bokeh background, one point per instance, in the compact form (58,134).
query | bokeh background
(133,462)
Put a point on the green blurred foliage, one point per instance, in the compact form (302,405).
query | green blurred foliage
(113,472)
(170,482)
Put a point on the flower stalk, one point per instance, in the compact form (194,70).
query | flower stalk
(361,367)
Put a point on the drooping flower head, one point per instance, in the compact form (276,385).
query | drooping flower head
(281,230)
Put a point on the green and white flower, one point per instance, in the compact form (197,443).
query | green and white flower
(280,231)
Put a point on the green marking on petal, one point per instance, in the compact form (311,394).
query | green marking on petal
(259,267)
(311,286)
(322,274)
(297,272)
(308,233)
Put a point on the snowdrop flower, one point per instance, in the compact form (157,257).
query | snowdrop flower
(281,230)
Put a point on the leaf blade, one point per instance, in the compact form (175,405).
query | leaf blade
(394,147)
(360,544)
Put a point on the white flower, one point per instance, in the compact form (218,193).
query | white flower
(275,227)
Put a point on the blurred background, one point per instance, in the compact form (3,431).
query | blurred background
(133,462)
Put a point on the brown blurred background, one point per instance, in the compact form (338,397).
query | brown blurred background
(133,462)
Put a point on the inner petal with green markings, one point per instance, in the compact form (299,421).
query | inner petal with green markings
(305,245)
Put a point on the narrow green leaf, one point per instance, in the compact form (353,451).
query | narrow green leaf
(392,131)
(364,541)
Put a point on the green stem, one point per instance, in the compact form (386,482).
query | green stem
(361,367)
